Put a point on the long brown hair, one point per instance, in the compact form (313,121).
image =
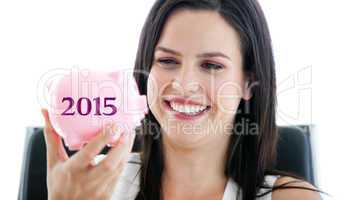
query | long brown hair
(249,156)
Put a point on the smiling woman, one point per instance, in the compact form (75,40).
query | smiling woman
(205,64)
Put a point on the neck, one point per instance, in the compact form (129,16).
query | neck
(199,170)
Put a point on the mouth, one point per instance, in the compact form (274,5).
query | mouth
(185,111)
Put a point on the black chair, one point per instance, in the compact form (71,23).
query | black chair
(294,155)
(295,152)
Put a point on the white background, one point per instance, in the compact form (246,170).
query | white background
(310,39)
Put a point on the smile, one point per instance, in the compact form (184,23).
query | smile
(185,109)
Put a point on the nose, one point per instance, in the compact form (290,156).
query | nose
(186,82)
(191,87)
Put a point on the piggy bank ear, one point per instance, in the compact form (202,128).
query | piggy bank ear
(49,85)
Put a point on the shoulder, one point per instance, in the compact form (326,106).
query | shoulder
(132,167)
(294,193)
(127,186)
(134,158)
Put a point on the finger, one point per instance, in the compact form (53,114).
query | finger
(55,151)
(58,142)
(116,156)
(132,140)
(94,147)
(53,141)
(105,181)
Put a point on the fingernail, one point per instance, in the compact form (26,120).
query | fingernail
(124,138)
(113,132)
(108,133)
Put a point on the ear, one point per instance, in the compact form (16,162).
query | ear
(247,88)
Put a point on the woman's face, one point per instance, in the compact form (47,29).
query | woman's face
(197,58)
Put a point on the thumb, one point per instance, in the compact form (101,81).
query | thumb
(55,150)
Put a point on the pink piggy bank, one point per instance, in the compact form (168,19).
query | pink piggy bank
(82,103)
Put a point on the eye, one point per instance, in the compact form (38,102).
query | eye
(167,61)
(212,66)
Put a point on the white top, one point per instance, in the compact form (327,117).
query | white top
(128,184)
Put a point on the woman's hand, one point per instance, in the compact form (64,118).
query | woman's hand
(76,177)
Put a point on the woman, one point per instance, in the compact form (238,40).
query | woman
(207,69)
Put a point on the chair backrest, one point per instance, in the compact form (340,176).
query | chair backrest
(295,152)
(294,155)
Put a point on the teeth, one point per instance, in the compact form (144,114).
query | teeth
(190,109)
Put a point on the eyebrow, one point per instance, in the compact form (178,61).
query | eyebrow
(202,55)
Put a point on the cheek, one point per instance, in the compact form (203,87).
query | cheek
(156,83)
(152,90)
(227,96)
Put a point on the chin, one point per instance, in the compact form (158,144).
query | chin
(186,139)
